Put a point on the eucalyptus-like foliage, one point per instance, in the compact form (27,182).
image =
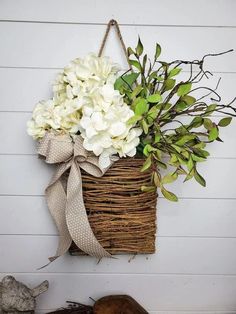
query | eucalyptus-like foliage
(177,125)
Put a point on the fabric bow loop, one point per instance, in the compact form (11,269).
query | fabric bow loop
(67,207)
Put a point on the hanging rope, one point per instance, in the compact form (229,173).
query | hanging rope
(117,28)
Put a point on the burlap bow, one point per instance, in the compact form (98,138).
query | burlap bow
(67,207)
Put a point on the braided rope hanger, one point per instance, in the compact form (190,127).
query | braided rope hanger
(118,32)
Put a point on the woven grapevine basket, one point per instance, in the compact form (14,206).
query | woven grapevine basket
(122,217)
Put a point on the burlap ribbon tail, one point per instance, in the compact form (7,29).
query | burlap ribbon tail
(67,206)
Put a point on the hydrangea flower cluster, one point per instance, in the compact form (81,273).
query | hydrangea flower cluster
(86,103)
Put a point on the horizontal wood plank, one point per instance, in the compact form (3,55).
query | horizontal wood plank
(187,218)
(165,292)
(155,12)
(54,45)
(190,256)
(31,85)
(12,123)
(36,175)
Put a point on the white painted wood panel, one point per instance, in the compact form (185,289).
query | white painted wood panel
(54,45)
(32,85)
(168,12)
(187,218)
(36,175)
(193,271)
(12,123)
(154,292)
(190,256)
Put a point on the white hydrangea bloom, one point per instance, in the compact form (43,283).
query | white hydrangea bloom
(61,117)
(44,117)
(86,103)
(104,125)
(82,75)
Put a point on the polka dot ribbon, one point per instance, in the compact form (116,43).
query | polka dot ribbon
(67,206)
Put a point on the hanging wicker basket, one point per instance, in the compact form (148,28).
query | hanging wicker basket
(122,217)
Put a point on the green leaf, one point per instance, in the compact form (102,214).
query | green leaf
(157,138)
(189,175)
(130,51)
(196,122)
(181,171)
(210,109)
(141,107)
(126,80)
(147,149)
(213,133)
(147,164)
(168,84)
(136,64)
(177,148)
(219,139)
(200,145)
(165,106)
(174,72)
(169,178)
(144,61)
(155,98)
(158,51)
(153,113)
(201,152)
(156,179)
(184,89)
(136,91)
(189,100)
(197,158)
(225,121)
(199,178)
(190,163)
(169,195)
(139,48)
(157,154)
(181,105)
(144,126)
(184,139)
(133,120)
(145,188)
(208,124)
(159,78)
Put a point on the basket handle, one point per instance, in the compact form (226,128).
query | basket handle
(117,28)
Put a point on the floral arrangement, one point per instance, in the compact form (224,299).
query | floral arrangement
(86,102)
(144,112)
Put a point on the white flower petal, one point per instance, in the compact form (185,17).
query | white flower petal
(117,129)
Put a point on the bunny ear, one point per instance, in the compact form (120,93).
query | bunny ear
(40,288)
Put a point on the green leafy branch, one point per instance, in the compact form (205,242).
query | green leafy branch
(176,126)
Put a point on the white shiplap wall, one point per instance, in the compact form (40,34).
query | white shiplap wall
(194,269)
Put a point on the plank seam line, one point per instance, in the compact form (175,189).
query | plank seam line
(159,197)
(119,274)
(30,111)
(58,68)
(121,24)
(157,236)
(34,154)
